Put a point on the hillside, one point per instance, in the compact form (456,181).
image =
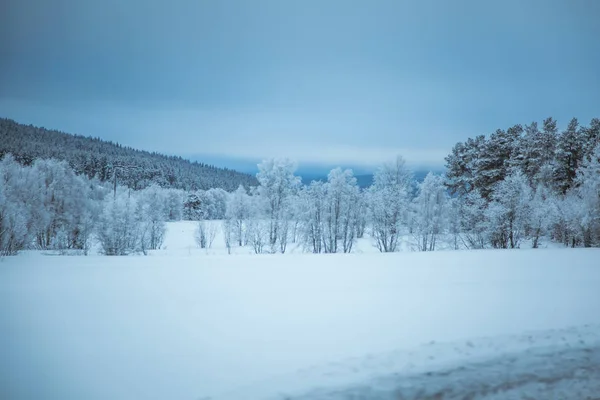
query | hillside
(96,158)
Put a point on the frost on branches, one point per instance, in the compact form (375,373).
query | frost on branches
(514,188)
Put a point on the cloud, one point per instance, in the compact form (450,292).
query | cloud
(334,80)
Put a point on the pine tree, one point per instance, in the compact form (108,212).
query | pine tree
(461,167)
(530,156)
(569,155)
(591,138)
(95,158)
(495,159)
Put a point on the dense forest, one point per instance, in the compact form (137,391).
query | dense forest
(96,158)
(519,187)
(528,181)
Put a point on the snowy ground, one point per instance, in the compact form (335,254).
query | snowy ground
(443,325)
(180,241)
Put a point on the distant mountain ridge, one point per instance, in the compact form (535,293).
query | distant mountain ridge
(315,171)
(366,180)
(97,158)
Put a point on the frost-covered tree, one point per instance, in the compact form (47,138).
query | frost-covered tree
(174,204)
(64,217)
(361,209)
(311,209)
(454,221)
(217,201)
(277,184)
(565,228)
(152,212)
(588,194)
(461,166)
(551,164)
(210,205)
(494,160)
(534,155)
(205,205)
(543,214)
(99,159)
(430,211)
(389,203)
(591,138)
(339,224)
(205,234)
(228,229)
(569,155)
(14,214)
(296,211)
(257,233)
(509,213)
(46,206)
(192,207)
(118,228)
(474,225)
(238,212)
(257,226)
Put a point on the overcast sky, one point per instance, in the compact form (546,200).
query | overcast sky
(338,81)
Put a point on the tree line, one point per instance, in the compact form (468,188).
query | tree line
(528,182)
(104,160)
(520,186)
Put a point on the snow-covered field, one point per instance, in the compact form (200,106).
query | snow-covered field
(180,241)
(183,324)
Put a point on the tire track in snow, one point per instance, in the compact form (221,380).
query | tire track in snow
(552,364)
(572,374)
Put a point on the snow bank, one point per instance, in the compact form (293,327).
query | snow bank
(185,327)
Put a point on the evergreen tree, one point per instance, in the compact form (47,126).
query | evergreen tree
(104,160)
(530,155)
(591,138)
(461,167)
(569,155)
(495,159)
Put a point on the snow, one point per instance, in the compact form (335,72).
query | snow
(179,241)
(184,324)
(548,364)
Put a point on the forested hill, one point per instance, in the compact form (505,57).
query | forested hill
(94,157)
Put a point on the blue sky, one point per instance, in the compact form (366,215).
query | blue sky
(348,82)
